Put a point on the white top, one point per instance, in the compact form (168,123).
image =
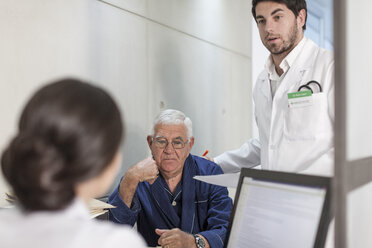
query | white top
(292,139)
(68,228)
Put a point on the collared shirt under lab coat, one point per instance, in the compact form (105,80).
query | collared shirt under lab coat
(68,228)
(291,139)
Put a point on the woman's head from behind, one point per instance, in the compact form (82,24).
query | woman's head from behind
(69,133)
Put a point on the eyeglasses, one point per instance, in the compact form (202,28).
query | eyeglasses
(162,143)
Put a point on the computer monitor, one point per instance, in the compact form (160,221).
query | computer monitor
(277,209)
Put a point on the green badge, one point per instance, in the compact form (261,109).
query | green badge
(300,99)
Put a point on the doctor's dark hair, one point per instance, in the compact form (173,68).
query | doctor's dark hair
(69,132)
(294,5)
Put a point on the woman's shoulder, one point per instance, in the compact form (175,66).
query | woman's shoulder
(63,230)
(109,234)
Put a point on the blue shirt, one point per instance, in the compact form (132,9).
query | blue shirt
(197,207)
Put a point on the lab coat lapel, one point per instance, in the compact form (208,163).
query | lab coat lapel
(263,84)
(291,82)
(164,207)
(188,195)
(296,74)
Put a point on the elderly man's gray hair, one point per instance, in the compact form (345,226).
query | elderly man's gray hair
(173,117)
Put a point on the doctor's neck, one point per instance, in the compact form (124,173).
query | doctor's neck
(279,56)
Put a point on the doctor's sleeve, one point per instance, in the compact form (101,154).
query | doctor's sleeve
(121,213)
(248,155)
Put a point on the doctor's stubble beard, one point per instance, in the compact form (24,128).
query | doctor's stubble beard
(287,45)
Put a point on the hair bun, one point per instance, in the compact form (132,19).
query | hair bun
(36,166)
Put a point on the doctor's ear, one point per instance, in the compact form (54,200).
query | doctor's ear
(301,18)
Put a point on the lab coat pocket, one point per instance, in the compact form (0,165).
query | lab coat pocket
(307,122)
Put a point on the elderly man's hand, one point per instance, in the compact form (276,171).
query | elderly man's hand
(175,238)
(145,170)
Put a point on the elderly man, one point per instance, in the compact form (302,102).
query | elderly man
(159,193)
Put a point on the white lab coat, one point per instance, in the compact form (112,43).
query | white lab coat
(292,139)
(68,228)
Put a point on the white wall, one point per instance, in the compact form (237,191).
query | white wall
(41,40)
(359,217)
(193,55)
(359,85)
(359,118)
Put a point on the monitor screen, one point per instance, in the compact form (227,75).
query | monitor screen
(276,214)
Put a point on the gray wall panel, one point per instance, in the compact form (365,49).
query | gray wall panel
(199,64)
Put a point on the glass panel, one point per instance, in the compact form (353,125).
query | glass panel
(359,81)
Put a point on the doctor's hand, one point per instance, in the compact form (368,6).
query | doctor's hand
(175,238)
(209,158)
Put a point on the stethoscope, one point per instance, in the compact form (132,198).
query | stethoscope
(308,86)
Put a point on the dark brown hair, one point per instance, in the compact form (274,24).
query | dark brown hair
(294,5)
(69,132)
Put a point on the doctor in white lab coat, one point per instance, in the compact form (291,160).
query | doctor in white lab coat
(291,138)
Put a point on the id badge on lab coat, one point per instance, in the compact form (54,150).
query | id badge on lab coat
(300,99)
(304,119)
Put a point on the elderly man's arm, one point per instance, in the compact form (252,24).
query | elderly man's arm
(218,213)
(123,198)
(145,170)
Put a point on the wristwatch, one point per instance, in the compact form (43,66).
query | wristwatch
(199,241)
